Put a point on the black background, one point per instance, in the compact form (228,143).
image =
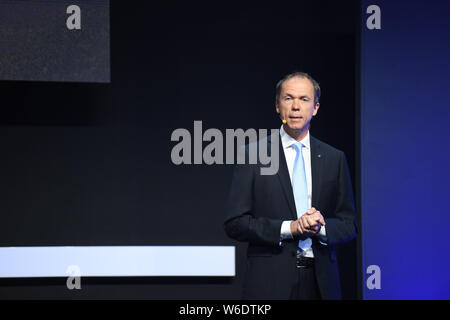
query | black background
(89,164)
(36,44)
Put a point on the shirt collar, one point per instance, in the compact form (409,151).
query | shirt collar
(287,141)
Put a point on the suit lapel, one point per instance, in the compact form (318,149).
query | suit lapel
(285,180)
(316,170)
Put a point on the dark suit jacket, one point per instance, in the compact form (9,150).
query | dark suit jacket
(257,206)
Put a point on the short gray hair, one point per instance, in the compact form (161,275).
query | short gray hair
(298,74)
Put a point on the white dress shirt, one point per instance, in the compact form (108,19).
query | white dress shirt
(290,153)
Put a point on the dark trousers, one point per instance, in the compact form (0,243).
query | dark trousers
(306,287)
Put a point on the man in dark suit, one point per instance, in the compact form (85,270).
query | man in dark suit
(293,220)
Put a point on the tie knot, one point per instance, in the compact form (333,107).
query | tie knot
(298,146)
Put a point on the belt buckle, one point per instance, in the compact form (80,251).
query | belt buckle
(302,261)
(298,259)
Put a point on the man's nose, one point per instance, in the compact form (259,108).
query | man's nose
(296,104)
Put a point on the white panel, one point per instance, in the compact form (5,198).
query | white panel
(117,261)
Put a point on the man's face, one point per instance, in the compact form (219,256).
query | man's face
(296,103)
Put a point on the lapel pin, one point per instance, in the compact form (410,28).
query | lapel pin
(319,156)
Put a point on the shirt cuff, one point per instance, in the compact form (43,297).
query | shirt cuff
(322,235)
(285,232)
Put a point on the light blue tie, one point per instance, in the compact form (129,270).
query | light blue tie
(300,190)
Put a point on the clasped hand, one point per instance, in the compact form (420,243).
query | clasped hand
(308,224)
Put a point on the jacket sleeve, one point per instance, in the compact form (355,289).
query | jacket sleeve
(241,222)
(342,228)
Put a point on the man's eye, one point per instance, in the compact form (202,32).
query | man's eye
(287,98)
(305,99)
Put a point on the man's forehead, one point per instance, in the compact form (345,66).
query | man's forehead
(298,84)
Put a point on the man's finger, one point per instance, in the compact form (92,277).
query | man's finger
(318,218)
(314,222)
(299,228)
(321,220)
(306,221)
(302,228)
(311,211)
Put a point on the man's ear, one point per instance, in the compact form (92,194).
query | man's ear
(316,108)
(277,108)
